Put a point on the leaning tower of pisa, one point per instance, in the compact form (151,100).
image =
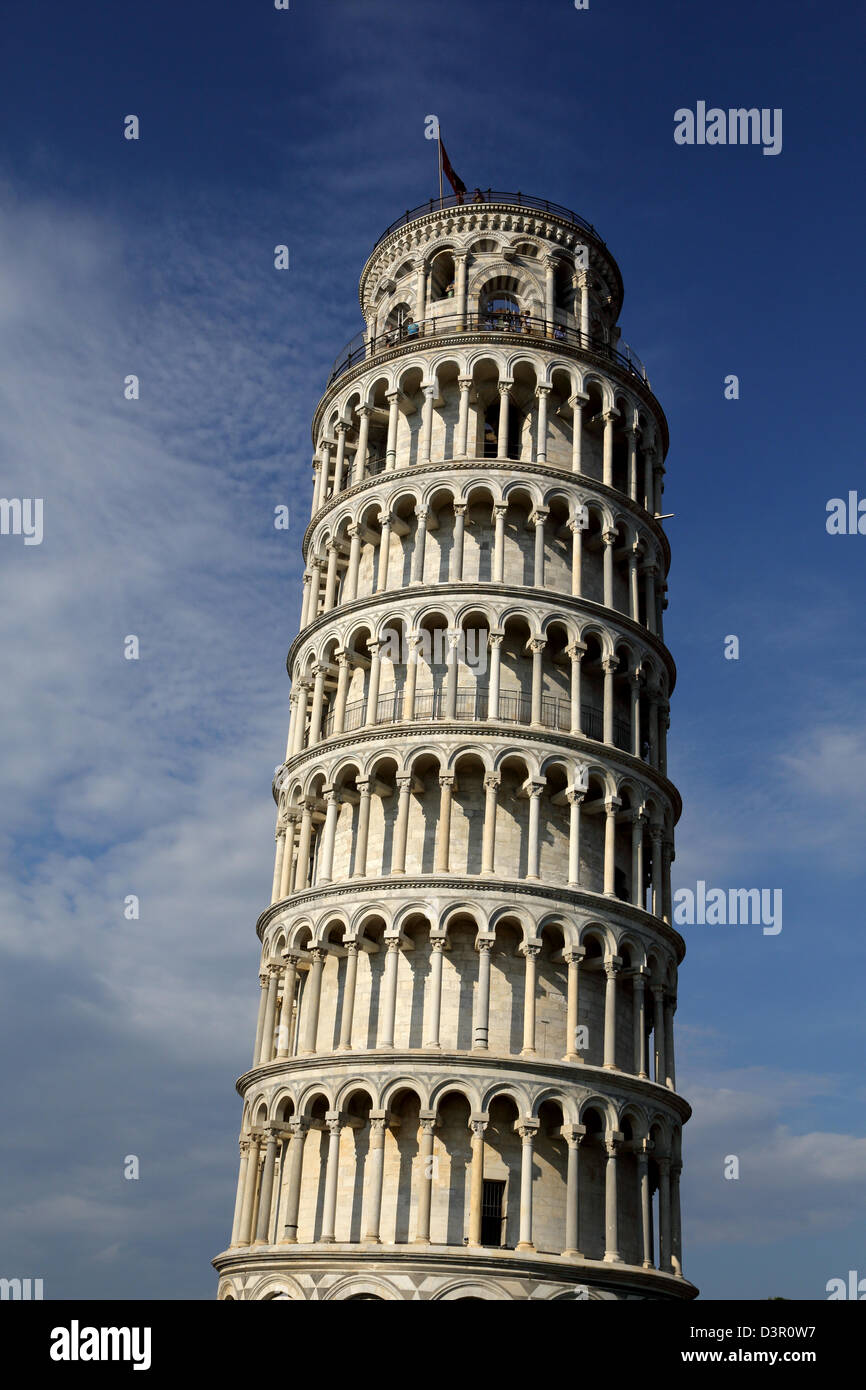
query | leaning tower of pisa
(463,1083)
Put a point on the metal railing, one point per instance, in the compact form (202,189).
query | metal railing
(488,195)
(361,348)
(472,703)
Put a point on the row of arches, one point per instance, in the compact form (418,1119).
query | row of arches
(497,812)
(480,533)
(487,664)
(522,406)
(445,981)
(567,1175)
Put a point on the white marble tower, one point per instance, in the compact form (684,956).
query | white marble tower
(463,1079)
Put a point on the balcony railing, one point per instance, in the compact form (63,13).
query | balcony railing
(362,348)
(489,195)
(472,702)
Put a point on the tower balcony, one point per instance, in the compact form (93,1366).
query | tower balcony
(512,326)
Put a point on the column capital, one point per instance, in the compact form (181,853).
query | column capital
(492,781)
(504,387)
(500,508)
(478,1124)
(365,411)
(610,663)
(537,644)
(495,637)
(578,400)
(422,513)
(465,383)
(573,955)
(542,391)
(607,415)
(572,1134)
(530,949)
(575,795)
(460,508)
(612,1141)
(539,515)
(576,651)
(612,805)
(446,779)
(526,1128)
(610,536)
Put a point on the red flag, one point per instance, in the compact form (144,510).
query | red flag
(454,179)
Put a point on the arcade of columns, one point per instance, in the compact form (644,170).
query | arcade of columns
(463,1080)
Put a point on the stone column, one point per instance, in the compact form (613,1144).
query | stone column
(437,946)
(317,485)
(376,1160)
(632,436)
(457,553)
(502,438)
(649,572)
(572,1134)
(611,807)
(460,261)
(572,958)
(359,467)
(645,1207)
(676,1222)
(656,838)
(299,1129)
(576,652)
(536,646)
(245,1232)
(349,983)
(426,441)
(648,480)
(634,686)
(401,829)
(476,1180)
(351,590)
(260,1021)
(389,993)
(530,952)
(303,870)
(427,1124)
(608,665)
(443,829)
(284,1028)
(315,731)
(340,462)
(342,691)
(670,1074)
(280,839)
(608,416)
(633,591)
(267,1192)
(577,402)
(664,1167)
(301,716)
(411,677)
(420,293)
(312,997)
(329,1213)
(484,947)
(542,393)
(653,728)
(372,709)
(549,283)
(453,636)
(658,485)
(326,866)
(499,510)
(667,857)
(527,1129)
(495,644)
(239,1199)
(306,599)
(360,870)
(659,1034)
(639,1005)
(420,538)
(393,399)
(488,844)
(537,519)
(333,552)
(584,309)
(575,797)
(267,1051)
(609,539)
(532,854)
(611,966)
(611,1221)
(465,384)
(384,552)
(576,528)
(637,825)
(288,855)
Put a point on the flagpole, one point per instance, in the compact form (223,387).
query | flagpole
(439,146)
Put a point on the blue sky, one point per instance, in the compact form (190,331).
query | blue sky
(306,128)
